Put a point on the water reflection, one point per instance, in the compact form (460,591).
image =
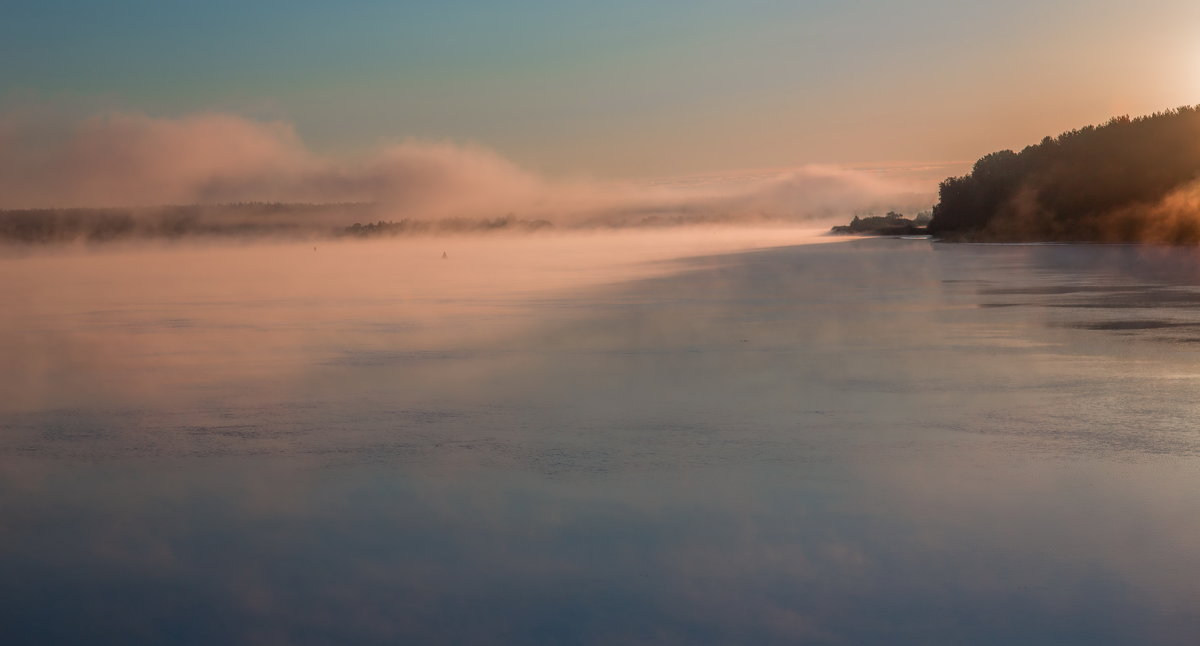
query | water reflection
(819,444)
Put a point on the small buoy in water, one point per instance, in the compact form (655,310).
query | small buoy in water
(444,256)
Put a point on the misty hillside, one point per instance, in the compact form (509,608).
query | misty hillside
(1128,180)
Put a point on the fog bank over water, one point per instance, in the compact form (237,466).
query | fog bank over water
(134,160)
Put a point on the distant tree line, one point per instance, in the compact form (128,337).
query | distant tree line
(110,224)
(1125,180)
(446,225)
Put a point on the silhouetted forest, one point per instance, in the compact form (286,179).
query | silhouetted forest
(892,224)
(1124,181)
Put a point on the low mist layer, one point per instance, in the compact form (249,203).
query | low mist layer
(404,294)
(110,175)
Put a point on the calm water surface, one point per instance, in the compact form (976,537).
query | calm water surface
(654,438)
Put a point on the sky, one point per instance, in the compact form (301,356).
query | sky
(615,89)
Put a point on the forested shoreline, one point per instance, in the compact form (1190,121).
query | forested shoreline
(1128,180)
